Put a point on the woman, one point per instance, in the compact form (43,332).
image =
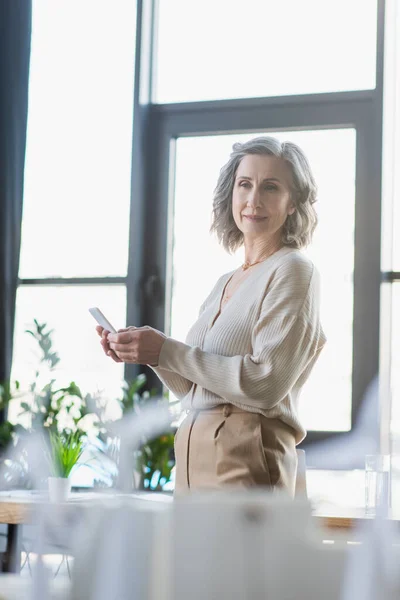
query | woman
(258,334)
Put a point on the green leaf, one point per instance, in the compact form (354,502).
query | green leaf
(5,393)
(45,343)
(6,431)
(66,450)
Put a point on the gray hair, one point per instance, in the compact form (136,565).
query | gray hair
(298,227)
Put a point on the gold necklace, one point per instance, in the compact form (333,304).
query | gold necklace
(246,265)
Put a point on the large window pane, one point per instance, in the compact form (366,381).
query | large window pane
(395,176)
(390,258)
(78,162)
(198,260)
(212,50)
(395,395)
(395,367)
(65,309)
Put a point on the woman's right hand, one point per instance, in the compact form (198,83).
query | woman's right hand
(103,333)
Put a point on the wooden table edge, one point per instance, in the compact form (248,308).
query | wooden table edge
(17,512)
(14,513)
(337,522)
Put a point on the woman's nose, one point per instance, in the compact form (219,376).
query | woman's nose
(254,198)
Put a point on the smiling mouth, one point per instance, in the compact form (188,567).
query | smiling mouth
(254,218)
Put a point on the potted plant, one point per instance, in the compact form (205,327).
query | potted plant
(65,450)
(60,411)
(153,462)
(7,429)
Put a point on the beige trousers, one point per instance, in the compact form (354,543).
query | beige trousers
(226,446)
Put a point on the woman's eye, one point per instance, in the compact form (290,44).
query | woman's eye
(270,188)
(244,184)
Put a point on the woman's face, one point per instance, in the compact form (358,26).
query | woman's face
(261,196)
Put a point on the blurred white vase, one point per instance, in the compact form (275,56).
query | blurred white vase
(59,489)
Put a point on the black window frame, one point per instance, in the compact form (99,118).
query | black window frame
(155,130)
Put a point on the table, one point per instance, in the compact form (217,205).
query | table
(15,510)
(13,514)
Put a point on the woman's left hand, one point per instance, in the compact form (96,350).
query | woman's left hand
(139,345)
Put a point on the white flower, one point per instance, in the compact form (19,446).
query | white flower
(71,400)
(89,425)
(74,412)
(65,421)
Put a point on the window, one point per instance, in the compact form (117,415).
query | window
(285,68)
(395,394)
(79,139)
(64,308)
(217,50)
(198,260)
(75,230)
(395,366)
(390,316)
(331,108)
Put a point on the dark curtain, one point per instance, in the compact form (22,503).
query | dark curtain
(15,41)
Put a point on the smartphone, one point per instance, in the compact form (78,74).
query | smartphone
(100,318)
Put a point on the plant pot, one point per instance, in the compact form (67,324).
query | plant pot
(59,489)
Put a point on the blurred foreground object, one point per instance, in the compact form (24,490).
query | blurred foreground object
(235,545)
